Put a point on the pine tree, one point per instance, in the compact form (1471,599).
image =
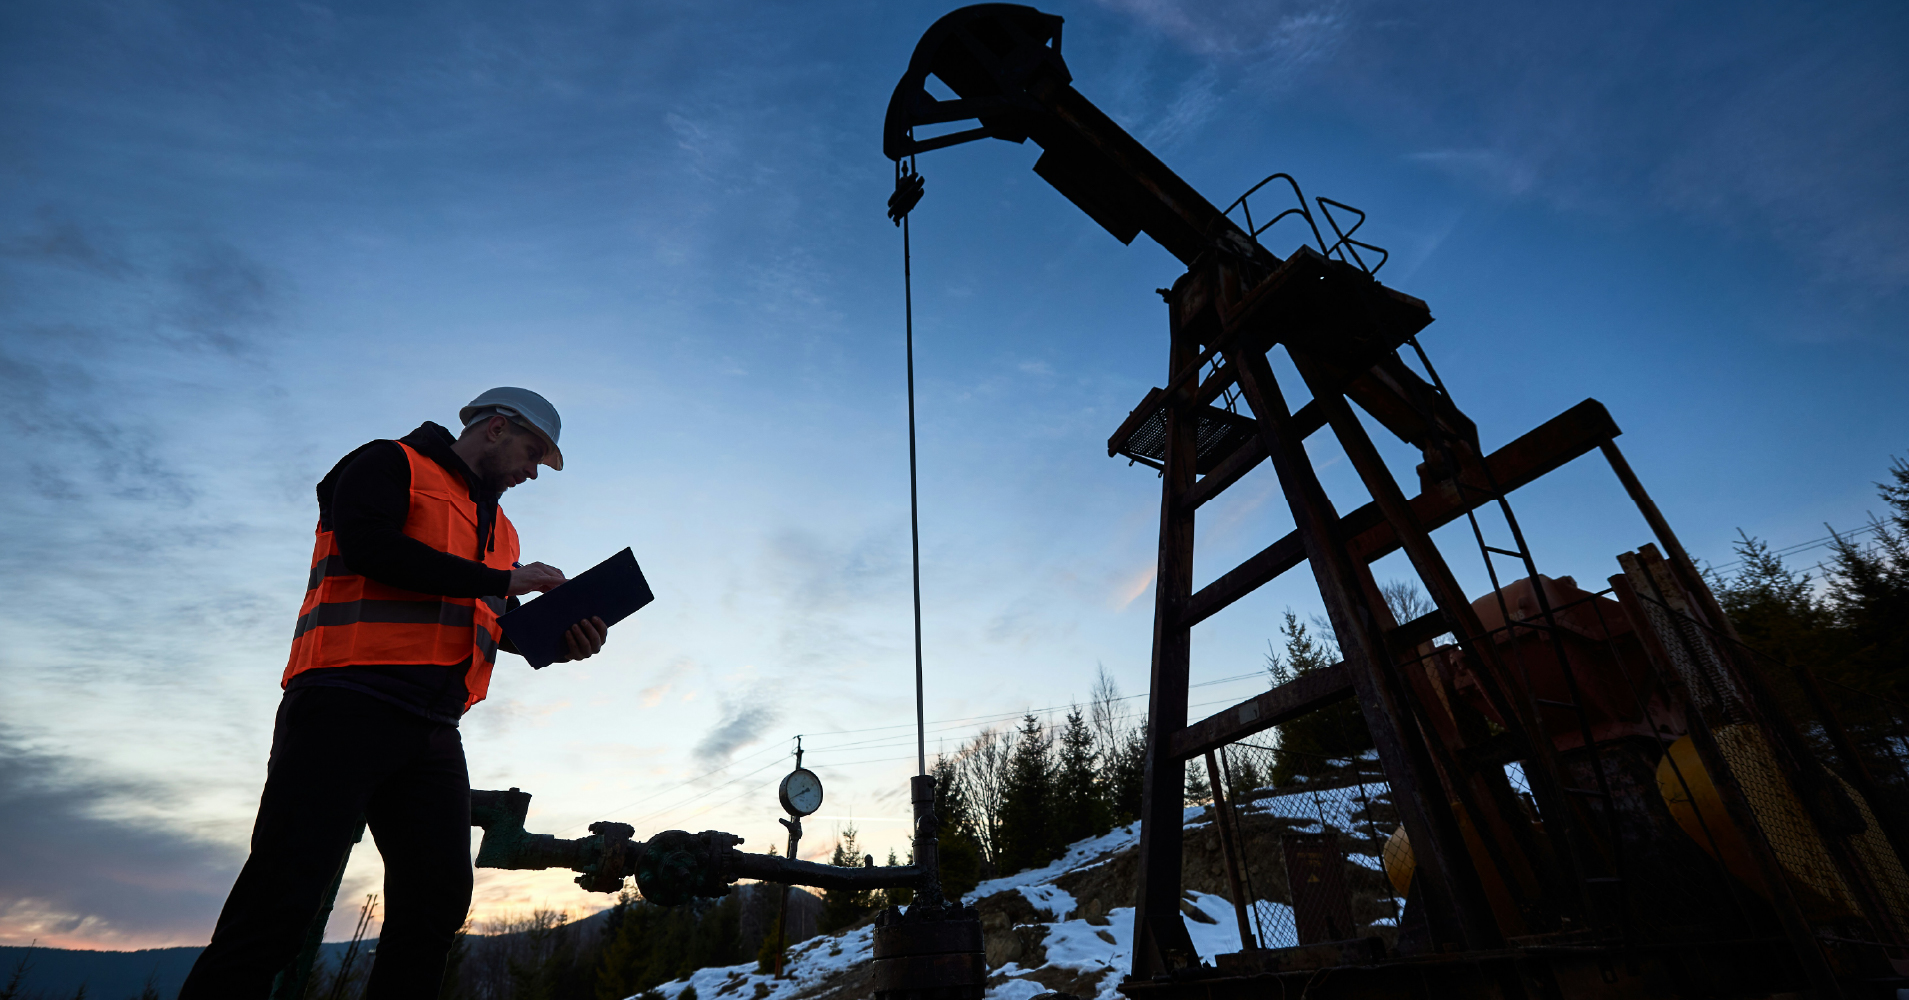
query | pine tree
(549,969)
(895,897)
(649,944)
(766,953)
(1868,596)
(1198,791)
(1774,608)
(1853,633)
(843,907)
(960,852)
(1337,730)
(1242,776)
(1082,805)
(1028,832)
(1126,777)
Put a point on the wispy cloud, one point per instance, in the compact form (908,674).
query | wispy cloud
(744,721)
(111,355)
(56,237)
(1192,106)
(1487,167)
(1292,33)
(74,875)
(1780,122)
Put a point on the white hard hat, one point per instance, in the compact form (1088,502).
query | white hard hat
(523,407)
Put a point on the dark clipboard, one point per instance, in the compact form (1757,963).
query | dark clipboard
(611,590)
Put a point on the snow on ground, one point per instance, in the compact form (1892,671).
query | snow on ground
(1346,808)
(1071,943)
(1078,855)
(1086,948)
(819,958)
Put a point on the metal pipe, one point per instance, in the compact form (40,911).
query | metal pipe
(794,823)
(790,871)
(1223,817)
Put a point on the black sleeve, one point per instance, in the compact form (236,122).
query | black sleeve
(504,643)
(368,509)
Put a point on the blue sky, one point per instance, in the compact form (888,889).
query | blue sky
(237,240)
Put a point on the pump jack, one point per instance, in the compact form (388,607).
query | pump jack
(1584,691)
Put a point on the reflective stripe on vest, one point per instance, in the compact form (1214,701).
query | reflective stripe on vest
(349,620)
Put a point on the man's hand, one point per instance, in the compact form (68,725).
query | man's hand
(584,639)
(536,576)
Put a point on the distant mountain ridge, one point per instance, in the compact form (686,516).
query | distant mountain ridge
(58,973)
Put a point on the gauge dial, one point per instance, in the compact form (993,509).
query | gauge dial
(801,792)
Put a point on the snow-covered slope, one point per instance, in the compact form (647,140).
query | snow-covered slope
(1075,951)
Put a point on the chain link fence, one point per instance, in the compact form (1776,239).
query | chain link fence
(1636,690)
(1310,834)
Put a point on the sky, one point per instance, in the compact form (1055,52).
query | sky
(237,240)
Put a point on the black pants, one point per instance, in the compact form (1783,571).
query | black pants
(338,755)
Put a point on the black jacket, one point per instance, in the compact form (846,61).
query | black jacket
(364,500)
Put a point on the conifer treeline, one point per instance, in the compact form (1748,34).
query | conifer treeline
(1013,798)
(1850,628)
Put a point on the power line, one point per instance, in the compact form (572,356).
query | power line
(878,743)
(1009,715)
(518,878)
(1815,543)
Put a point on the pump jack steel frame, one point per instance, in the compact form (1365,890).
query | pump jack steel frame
(1570,909)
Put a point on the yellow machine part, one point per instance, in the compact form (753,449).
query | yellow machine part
(1693,802)
(1692,798)
(1879,858)
(1398,860)
(1400,864)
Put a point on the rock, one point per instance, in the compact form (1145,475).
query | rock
(1111,881)
(1012,930)
(1023,944)
(854,983)
(1069,982)
(1011,905)
(1060,982)
(1093,911)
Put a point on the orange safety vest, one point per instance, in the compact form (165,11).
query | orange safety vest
(349,620)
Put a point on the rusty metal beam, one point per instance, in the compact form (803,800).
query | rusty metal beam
(1309,691)
(1446,878)
(1494,675)
(1309,418)
(1554,443)
(1161,942)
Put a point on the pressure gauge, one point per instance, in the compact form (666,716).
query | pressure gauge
(801,792)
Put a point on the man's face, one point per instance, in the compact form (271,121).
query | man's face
(511,455)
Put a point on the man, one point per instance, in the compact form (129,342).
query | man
(395,641)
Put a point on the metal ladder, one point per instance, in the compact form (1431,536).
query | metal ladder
(1548,623)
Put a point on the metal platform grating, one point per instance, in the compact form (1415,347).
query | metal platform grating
(1221,433)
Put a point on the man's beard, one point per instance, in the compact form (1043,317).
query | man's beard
(493,479)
